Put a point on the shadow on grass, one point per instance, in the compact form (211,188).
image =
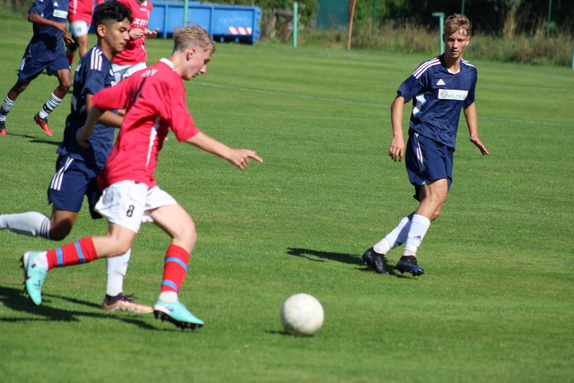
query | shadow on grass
(15,299)
(38,141)
(338,257)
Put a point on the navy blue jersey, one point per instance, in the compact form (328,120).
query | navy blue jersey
(47,44)
(93,73)
(438,97)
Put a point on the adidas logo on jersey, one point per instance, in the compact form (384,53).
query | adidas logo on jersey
(440,82)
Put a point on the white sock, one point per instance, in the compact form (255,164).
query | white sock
(49,106)
(42,260)
(6,107)
(32,224)
(419,227)
(116,269)
(168,296)
(395,238)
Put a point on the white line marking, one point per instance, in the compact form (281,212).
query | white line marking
(350,102)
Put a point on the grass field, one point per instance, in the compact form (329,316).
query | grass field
(495,304)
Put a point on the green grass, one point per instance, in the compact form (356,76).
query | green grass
(495,304)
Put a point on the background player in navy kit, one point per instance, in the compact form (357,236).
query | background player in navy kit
(44,52)
(77,167)
(439,88)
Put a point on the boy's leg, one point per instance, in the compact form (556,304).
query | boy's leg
(37,264)
(65,79)
(175,221)
(9,102)
(31,224)
(115,300)
(375,256)
(434,195)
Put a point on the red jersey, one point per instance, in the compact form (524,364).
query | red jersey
(134,51)
(81,10)
(154,99)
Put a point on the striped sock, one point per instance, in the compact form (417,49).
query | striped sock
(49,106)
(81,251)
(7,106)
(174,269)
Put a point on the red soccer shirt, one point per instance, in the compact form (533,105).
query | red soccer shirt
(134,51)
(81,10)
(154,99)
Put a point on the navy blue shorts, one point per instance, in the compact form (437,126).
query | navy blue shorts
(427,160)
(73,180)
(30,68)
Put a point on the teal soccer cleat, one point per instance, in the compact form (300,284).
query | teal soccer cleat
(177,314)
(34,276)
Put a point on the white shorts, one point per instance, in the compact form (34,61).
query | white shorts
(121,72)
(128,203)
(79,28)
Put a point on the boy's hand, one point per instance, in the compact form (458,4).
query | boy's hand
(240,157)
(68,40)
(480,146)
(151,34)
(82,138)
(397,149)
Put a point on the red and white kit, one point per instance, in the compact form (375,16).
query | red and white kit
(134,51)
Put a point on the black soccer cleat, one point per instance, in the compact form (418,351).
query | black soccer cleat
(408,264)
(376,261)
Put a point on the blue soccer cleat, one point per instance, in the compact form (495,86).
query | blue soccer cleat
(34,276)
(408,264)
(177,314)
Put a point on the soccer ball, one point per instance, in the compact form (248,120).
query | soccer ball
(302,315)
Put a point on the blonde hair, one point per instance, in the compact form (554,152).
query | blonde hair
(456,22)
(193,36)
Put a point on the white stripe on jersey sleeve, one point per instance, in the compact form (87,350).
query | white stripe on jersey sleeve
(96,60)
(425,66)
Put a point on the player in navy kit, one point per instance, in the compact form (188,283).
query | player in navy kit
(77,167)
(44,52)
(439,88)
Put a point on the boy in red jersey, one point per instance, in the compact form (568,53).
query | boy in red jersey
(133,57)
(79,19)
(155,103)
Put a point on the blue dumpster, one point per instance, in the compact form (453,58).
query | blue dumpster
(224,22)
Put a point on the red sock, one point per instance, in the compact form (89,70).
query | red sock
(81,251)
(174,269)
(71,58)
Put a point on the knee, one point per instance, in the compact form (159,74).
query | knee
(188,235)
(119,248)
(65,86)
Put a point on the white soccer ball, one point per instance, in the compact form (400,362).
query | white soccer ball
(302,315)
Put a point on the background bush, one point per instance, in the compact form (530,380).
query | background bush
(503,30)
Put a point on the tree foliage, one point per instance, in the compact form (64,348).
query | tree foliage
(495,17)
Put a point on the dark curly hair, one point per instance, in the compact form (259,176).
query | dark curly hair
(110,11)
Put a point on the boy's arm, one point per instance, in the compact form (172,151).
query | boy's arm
(397,149)
(88,129)
(151,34)
(109,118)
(238,157)
(472,122)
(38,19)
